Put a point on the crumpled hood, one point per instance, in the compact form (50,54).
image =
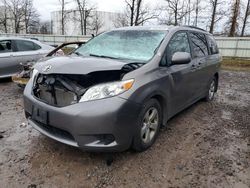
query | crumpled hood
(76,65)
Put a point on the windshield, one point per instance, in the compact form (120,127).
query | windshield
(135,45)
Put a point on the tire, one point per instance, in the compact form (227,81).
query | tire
(148,125)
(211,90)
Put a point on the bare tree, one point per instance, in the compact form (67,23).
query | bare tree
(245,18)
(234,18)
(16,11)
(121,21)
(45,27)
(18,15)
(63,4)
(214,4)
(144,14)
(217,13)
(197,4)
(85,11)
(136,13)
(97,23)
(31,17)
(189,12)
(131,9)
(178,9)
(4,17)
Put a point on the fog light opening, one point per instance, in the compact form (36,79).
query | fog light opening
(106,139)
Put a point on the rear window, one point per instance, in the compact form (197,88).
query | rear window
(23,45)
(199,44)
(212,45)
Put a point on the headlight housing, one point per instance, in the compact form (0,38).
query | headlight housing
(33,74)
(107,90)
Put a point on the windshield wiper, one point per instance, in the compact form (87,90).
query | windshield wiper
(103,56)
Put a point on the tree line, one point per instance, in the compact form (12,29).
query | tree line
(234,13)
(212,13)
(21,16)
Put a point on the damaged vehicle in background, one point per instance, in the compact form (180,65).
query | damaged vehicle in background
(14,51)
(22,78)
(114,92)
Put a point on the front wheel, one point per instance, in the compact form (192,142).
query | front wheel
(150,119)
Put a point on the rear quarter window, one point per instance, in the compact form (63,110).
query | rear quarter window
(212,45)
(199,44)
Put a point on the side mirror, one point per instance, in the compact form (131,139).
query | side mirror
(181,58)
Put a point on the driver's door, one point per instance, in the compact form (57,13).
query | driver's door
(182,76)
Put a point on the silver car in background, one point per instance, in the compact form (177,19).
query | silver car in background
(14,51)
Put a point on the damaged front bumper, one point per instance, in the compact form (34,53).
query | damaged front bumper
(105,125)
(22,78)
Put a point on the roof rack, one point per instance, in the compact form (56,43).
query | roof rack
(194,27)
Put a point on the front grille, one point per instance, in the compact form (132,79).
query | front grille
(59,133)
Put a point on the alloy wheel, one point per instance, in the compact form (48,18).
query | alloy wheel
(211,91)
(150,125)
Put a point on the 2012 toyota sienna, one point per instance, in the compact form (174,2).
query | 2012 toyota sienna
(117,90)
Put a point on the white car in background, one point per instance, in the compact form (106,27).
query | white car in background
(14,51)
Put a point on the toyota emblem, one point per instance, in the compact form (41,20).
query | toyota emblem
(47,68)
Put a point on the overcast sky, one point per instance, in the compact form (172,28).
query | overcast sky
(45,7)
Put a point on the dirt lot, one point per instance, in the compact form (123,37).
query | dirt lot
(207,145)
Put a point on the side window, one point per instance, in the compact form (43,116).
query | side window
(178,43)
(23,45)
(199,44)
(212,45)
(5,46)
(36,46)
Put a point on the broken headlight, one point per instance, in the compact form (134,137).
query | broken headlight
(33,73)
(106,90)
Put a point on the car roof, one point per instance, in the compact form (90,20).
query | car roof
(16,38)
(164,28)
(160,28)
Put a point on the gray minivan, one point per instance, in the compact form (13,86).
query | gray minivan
(117,90)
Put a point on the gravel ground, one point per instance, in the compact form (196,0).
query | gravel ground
(207,145)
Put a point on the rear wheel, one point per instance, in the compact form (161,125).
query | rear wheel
(150,119)
(212,90)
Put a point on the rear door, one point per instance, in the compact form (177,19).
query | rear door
(182,78)
(26,51)
(8,65)
(213,60)
(200,55)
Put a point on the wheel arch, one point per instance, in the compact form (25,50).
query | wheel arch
(163,103)
(216,75)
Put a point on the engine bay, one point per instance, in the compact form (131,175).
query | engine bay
(66,89)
